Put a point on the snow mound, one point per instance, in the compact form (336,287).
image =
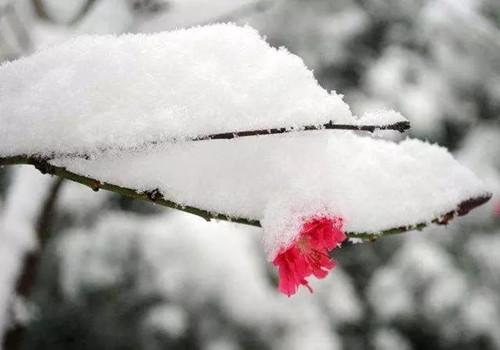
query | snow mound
(97,92)
(280,180)
(381,117)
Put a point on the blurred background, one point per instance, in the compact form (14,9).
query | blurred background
(106,272)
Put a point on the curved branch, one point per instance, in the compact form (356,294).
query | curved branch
(155,196)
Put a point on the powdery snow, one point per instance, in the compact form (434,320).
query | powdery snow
(121,91)
(381,117)
(281,180)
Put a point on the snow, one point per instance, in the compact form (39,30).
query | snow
(373,184)
(381,117)
(97,92)
(456,68)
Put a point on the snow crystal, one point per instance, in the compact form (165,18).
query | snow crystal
(373,184)
(122,91)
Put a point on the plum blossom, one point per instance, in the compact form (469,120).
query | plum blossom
(308,253)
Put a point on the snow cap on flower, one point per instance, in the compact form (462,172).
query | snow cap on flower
(302,250)
(284,216)
(308,255)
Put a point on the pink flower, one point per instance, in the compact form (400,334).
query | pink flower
(308,254)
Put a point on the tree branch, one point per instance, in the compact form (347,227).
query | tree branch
(399,126)
(155,196)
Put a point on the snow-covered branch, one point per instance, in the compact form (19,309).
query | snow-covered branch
(157,197)
(400,126)
(126,124)
(154,195)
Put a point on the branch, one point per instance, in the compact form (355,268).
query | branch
(399,126)
(462,209)
(155,196)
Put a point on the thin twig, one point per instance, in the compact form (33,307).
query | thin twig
(157,197)
(153,195)
(401,126)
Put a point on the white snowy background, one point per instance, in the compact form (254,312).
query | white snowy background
(119,274)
